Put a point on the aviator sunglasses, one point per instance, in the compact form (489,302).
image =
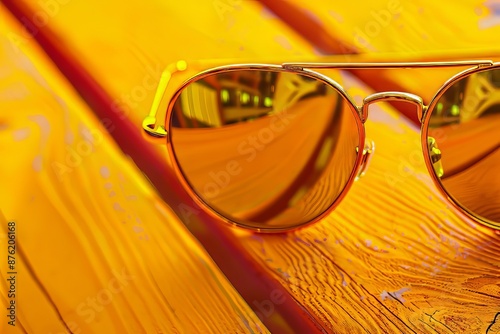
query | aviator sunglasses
(272,148)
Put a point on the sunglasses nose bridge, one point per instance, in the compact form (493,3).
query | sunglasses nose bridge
(393,96)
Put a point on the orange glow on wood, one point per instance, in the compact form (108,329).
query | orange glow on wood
(392,258)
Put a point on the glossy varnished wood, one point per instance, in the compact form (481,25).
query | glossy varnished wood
(392,258)
(95,253)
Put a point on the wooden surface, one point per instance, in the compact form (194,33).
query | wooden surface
(89,257)
(394,257)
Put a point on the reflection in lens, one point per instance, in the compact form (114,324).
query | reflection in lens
(265,149)
(465,124)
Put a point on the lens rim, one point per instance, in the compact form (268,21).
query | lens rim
(356,111)
(424,131)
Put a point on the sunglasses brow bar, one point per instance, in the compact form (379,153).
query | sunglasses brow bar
(152,128)
(299,66)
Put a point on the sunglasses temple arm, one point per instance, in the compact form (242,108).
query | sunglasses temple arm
(154,122)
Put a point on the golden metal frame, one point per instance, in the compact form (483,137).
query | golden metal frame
(157,123)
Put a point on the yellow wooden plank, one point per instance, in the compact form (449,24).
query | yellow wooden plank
(409,28)
(392,258)
(98,251)
(131,44)
(250,282)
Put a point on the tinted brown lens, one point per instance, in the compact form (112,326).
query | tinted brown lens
(265,149)
(465,124)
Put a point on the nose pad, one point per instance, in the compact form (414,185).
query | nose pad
(435,154)
(368,151)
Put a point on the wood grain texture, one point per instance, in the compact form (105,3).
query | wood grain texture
(392,258)
(94,252)
(401,28)
(287,315)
